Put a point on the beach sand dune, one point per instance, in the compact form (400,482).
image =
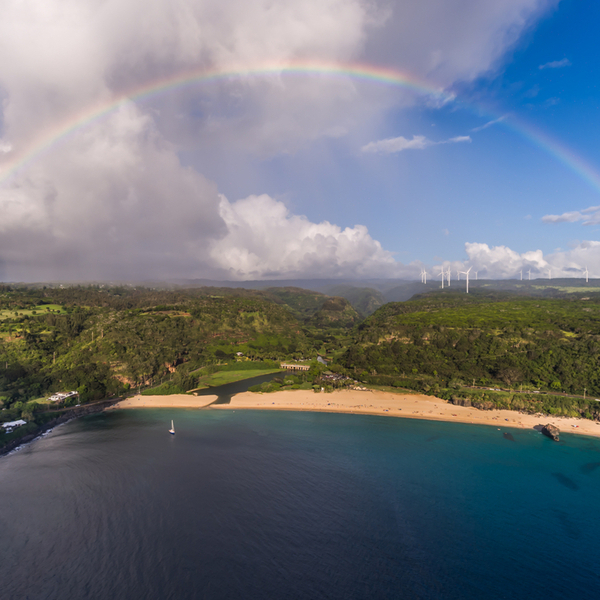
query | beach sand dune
(412,406)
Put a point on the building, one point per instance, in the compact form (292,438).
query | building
(289,367)
(8,427)
(62,396)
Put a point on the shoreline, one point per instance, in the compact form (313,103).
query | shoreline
(65,417)
(408,406)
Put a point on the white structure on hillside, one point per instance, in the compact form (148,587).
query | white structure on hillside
(13,424)
(62,396)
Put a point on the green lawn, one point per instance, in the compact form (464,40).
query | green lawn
(26,312)
(222,377)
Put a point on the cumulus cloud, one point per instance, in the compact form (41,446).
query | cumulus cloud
(501,262)
(556,64)
(113,200)
(450,41)
(418,142)
(265,240)
(587,216)
(115,204)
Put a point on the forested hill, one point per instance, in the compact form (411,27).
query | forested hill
(102,340)
(485,337)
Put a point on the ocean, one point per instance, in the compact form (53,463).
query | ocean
(290,505)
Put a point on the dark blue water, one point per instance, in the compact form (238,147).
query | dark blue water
(251,504)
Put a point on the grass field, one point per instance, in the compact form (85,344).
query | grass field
(223,377)
(26,312)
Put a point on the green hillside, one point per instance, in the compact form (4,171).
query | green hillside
(335,313)
(101,341)
(365,300)
(489,338)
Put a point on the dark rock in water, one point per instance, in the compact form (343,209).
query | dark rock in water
(508,436)
(551,431)
(590,467)
(566,481)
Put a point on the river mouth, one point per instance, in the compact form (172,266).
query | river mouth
(225,392)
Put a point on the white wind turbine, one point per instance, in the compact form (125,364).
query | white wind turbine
(529,274)
(449,273)
(521,274)
(476,275)
(467,274)
(586,275)
(549,273)
(458,274)
(442,274)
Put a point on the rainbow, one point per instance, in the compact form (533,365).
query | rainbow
(360,72)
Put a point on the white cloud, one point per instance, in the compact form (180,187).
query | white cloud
(447,41)
(501,262)
(556,64)
(489,124)
(418,142)
(587,216)
(112,198)
(116,203)
(265,240)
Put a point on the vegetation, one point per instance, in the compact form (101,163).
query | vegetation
(365,300)
(103,341)
(538,349)
(442,343)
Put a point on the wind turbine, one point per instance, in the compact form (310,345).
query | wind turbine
(549,273)
(424,277)
(442,274)
(476,275)
(586,275)
(529,274)
(449,273)
(521,274)
(458,274)
(467,274)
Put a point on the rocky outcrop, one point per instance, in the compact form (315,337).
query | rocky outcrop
(457,401)
(484,405)
(468,402)
(551,431)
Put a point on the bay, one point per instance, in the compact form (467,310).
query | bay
(252,504)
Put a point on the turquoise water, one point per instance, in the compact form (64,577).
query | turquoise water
(251,504)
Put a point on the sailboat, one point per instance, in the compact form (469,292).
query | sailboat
(172,430)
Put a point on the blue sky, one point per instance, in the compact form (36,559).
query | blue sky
(255,177)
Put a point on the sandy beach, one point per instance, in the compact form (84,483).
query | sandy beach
(368,402)
(412,406)
(172,401)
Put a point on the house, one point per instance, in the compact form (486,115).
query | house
(62,396)
(289,367)
(8,427)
